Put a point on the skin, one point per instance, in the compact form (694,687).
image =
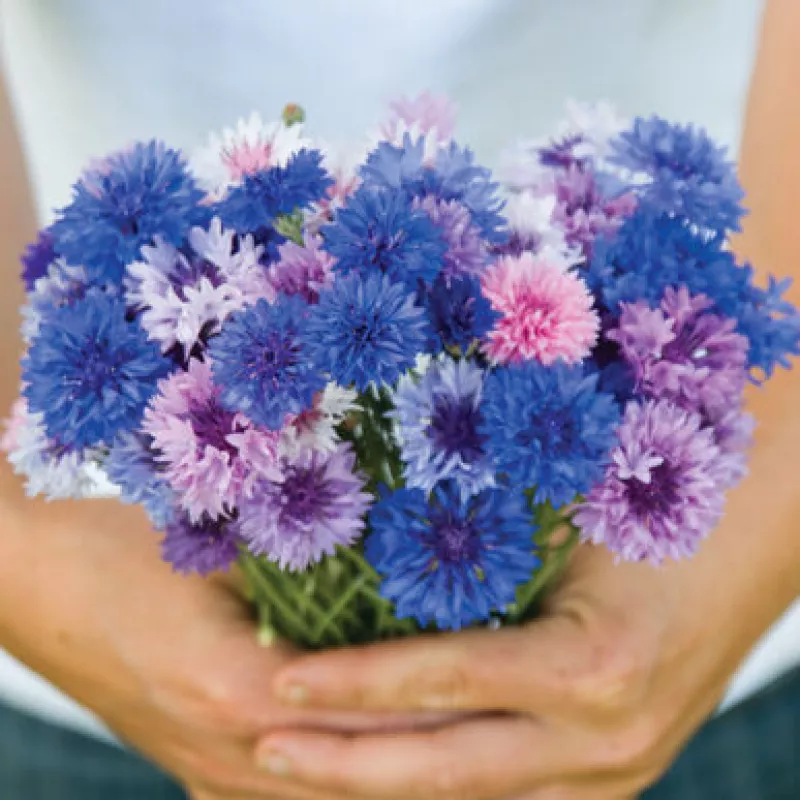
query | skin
(591,701)
(171,664)
(595,699)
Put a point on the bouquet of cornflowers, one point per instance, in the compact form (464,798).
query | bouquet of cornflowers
(396,389)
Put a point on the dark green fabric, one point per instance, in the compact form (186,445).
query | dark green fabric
(750,753)
(44,762)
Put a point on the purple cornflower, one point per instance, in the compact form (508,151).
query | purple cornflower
(202,547)
(438,417)
(306,270)
(583,212)
(318,503)
(683,352)
(466,252)
(210,456)
(662,493)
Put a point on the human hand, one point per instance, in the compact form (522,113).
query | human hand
(593,700)
(171,664)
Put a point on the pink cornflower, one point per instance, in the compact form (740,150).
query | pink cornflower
(545,313)
(425,114)
(211,457)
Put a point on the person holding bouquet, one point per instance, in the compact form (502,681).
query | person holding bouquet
(596,697)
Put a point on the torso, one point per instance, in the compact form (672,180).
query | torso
(89,76)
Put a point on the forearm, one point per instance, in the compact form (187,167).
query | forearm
(759,539)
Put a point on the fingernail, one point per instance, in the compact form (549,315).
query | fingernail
(274,762)
(294,693)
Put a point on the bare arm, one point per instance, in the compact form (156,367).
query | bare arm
(171,664)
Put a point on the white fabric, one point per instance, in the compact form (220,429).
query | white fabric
(89,76)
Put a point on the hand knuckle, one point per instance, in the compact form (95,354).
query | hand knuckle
(614,677)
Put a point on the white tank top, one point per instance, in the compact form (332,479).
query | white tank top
(89,76)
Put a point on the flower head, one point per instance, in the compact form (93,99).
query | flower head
(184,296)
(439,417)
(210,456)
(683,352)
(133,466)
(549,429)
(466,252)
(449,559)
(318,503)
(90,372)
(427,115)
(315,429)
(48,468)
(661,494)
(531,228)
(682,173)
(458,313)
(303,270)
(136,195)
(545,313)
(262,363)
(381,232)
(584,212)
(203,547)
(453,176)
(365,331)
(263,196)
(252,146)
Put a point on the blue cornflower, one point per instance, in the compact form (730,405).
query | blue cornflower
(451,560)
(269,193)
(37,259)
(458,312)
(453,176)
(549,429)
(90,372)
(650,253)
(123,204)
(365,330)
(439,417)
(133,466)
(261,363)
(687,174)
(378,230)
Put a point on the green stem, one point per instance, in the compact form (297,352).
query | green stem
(361,563)
(338,607)
(275,596)
(553,564)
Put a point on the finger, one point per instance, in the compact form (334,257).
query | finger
(488,758)
(230,689)
(523,668)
